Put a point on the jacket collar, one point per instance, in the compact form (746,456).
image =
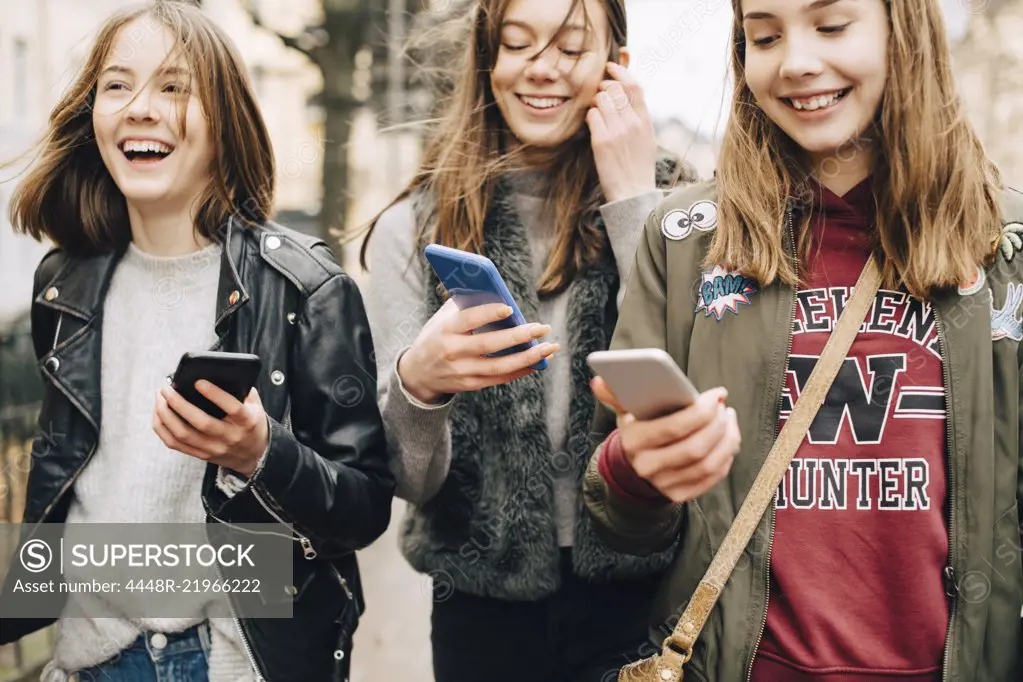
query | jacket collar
(80,287)
(231,292)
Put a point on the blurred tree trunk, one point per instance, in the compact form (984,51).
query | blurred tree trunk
(332,46)
(349,25)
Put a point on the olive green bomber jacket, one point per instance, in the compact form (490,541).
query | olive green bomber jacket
(748,356)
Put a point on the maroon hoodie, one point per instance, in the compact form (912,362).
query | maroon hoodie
(860,536)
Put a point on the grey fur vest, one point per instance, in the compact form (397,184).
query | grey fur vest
(491,530)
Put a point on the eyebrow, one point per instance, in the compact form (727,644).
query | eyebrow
(814,6)
(166,71)
(528,27)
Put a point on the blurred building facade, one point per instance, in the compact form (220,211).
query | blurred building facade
(989,63)
(39,49)
(44,42)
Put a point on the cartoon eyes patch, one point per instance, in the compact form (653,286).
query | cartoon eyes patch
(680,223)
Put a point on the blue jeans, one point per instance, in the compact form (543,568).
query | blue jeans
(155,657)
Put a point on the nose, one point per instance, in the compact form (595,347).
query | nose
(544,67)
(141,108)
(800,58)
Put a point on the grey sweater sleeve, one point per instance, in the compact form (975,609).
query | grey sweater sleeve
(624,221)
(418,435)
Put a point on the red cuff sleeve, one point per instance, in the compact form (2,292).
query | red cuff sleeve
(623,479)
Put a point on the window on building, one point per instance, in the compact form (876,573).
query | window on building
(20,94)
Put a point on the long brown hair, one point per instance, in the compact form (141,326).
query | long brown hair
(936,190)
(69,197)
(464,156)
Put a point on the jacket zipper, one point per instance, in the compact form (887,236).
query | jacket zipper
(307,545)
(343,582)
(307,550)
(238,624)
(951,589)
(771,512)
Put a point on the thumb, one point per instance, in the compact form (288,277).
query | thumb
(603,393)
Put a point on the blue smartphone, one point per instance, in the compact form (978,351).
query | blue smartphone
(472,280)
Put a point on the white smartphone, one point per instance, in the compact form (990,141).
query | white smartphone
(646,381)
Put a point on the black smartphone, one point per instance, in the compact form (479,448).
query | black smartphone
(235,373)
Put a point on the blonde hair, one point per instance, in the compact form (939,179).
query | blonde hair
(935,188)
(68,195)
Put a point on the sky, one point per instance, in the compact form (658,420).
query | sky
(679,55)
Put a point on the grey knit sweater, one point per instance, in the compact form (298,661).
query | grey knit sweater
(155,310)
(418,435)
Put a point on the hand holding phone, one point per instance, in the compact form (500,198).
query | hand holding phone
(685,441)
(234,373)
(477,339)
(447,358)
(221,421)
(473,280)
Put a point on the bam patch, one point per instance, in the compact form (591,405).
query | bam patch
(722,290)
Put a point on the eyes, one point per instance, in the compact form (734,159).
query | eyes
(829,30)
(517,38)
(567,51)
(171,88)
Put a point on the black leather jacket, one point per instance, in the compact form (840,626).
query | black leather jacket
(283,297)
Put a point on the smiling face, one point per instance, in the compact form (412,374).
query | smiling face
(819,69)
(544,97)
(151,129)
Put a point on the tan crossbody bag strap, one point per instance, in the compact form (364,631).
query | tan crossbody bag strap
(679,645)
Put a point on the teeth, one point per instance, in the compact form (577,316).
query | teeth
(146,146)
(542,102)
(815,103)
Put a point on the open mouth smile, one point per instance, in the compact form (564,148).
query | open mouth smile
(145,151)
(543,104)
(817,102)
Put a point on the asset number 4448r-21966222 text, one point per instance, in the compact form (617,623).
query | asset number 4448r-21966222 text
(193,586)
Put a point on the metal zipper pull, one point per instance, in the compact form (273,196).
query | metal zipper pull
(951,589)
(344,586)
(307,548)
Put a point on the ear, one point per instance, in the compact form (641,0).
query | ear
(623,57)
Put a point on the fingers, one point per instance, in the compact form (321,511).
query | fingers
(700,476)
(509,364)
(607,117)
(612,99)
(658,433)
(693,449)
(484,381)
(603,393)
(632,87)
(173,431)
(478,316)
(198,419)
(492,342)
(597,125)
(173,443)
(219,397)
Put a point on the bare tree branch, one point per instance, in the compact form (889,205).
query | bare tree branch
(305,46)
